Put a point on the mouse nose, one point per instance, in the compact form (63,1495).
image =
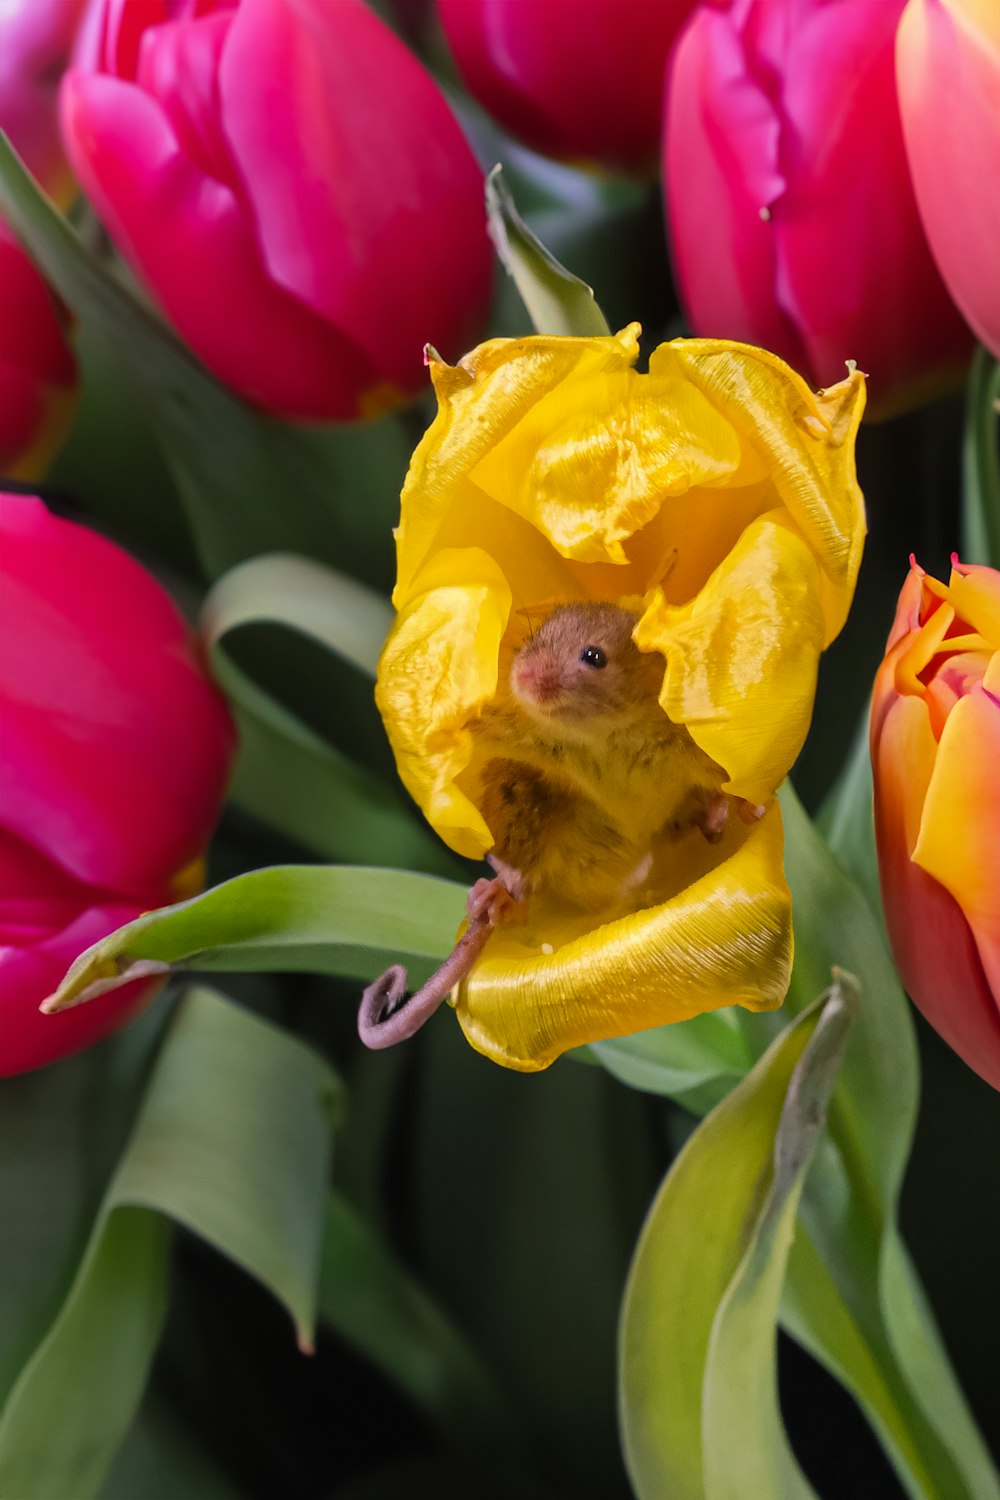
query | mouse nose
(538,681)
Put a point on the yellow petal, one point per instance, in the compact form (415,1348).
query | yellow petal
(975,593)
(742,656)
(806,440)
(726,939)
(593,461)
(958,831)
(438,667)
(480,401)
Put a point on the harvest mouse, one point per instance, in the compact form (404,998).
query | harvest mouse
(578,770)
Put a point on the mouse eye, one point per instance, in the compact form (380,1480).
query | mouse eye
(593,656)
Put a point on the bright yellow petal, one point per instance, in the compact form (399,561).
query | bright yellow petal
(975,593)
(593,461)
(481,400)
(742,656)
(438,667)
(806,441)
(724,940)
(959,843)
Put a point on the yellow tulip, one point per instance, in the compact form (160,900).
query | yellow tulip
(716,496)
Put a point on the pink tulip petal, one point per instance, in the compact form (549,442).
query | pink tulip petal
(374,224)
(191,239)
(592,88)
(116,747)
(28,975)
(178,66)
(937,956)
(721,169)
(949,87)
(853,263)
(834,265)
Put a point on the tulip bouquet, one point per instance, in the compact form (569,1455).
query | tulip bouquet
(489,868)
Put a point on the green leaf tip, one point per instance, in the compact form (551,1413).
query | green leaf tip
(557,301)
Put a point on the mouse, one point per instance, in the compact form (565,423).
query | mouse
(579,772)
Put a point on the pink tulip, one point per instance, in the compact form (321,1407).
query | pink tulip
(36,39)
(935,746)
(116,749)
(291,186)
(948,72)
(581,80)
(789,203)
(37,368)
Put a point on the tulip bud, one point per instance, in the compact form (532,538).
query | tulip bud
(37,369)
(36,39)
(948,69)
(291,186)
(116,749)
(574,81)
(935,745)
(789,202)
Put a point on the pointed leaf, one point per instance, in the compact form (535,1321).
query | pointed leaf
(321,919)
(557,301)
(698,1319)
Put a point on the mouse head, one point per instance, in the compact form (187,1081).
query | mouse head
(582,668)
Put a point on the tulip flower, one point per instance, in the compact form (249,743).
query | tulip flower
(116,749)
(789,203)
(292,188)
(37,370)
(581,81)
(935,746)
(948,71)
(36,40)
(716,497)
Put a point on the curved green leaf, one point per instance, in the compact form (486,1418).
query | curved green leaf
(696,1063)
(557,301)
(287,774)
(233,1141)
(318,918)
(699,1402)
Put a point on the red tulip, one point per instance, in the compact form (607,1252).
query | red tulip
(581,80)
(37,368)
(948,70)
(36,39)
(116,749)
(292,187)
(789,201)
(935,745)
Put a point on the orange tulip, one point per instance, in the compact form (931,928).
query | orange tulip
(935,746)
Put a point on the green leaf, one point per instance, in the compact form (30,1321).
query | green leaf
(696,1063)
(557,301)
(850,1295)
(249,484)
(62,1128)
(233,1142)
(846,819)
(371,1299)
(699,1402)
(981,463)
(316,918)
(287,774)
